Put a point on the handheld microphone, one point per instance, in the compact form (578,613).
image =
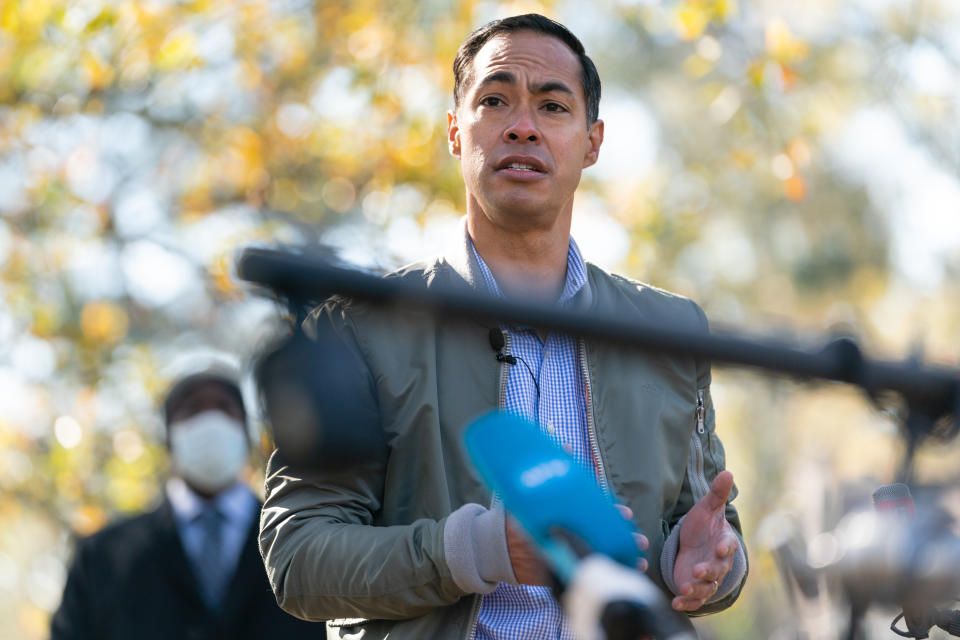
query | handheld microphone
(583,537)
(919,615)
(546,489)
(901,556)
(885,556)
(895,499)
(607,601)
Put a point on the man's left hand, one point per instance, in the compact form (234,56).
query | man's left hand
(706,548)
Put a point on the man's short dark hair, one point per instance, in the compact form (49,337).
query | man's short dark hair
(589,77)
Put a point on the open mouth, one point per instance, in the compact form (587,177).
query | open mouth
(521,166)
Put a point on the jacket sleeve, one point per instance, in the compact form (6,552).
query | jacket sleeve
(702,471)
(75,618)
(324,556)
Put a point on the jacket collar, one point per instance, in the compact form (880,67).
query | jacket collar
(459,255)
(462,258)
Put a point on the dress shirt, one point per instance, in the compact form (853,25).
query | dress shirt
(236,504)
(512,612)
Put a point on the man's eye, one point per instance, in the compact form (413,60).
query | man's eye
(491,101)
(554,106)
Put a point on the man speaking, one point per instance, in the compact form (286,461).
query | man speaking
(410,544)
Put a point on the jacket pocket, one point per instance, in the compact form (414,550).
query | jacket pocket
(696,460)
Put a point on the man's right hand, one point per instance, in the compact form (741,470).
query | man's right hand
(526,562)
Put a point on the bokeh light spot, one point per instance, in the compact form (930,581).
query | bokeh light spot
(68,432)
(128,444)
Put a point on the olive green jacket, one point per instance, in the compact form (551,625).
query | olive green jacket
(364,549)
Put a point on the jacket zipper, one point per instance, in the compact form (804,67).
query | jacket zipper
(695,471)
(701,411)
(591,427)
(504,375)
(502,406)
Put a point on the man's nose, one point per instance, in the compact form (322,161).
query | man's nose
(523,129)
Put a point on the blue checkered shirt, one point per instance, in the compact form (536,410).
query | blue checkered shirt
(527,612)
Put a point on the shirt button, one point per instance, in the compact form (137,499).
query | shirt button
(550,427)
(546,353)
(567,447)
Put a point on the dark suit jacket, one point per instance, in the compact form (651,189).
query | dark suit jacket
(132,580)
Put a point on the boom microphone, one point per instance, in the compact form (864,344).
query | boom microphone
(316,395)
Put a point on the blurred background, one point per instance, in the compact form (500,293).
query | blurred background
(792,166)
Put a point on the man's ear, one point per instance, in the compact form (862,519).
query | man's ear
(453,133)
(594,140)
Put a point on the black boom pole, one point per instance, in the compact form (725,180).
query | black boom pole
(930,393)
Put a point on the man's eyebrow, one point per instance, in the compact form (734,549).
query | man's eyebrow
(507,77)
(498,76)
(552,85)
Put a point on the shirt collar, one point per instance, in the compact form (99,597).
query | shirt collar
(235,503)
(575,280)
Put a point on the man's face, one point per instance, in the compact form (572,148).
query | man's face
(208,450)
(521,130)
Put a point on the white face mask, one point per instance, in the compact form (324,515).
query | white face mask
(208,450)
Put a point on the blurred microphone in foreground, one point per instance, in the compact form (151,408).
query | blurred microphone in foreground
(930,564)
(901,554)
(316,396)
(589,547)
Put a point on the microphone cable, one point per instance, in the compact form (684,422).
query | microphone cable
(497,341)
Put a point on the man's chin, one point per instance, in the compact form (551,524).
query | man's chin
(525,213)
(523,204)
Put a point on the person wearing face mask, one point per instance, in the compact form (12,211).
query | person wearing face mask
(190,568)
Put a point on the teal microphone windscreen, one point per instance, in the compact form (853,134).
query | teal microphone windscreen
(556,500)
